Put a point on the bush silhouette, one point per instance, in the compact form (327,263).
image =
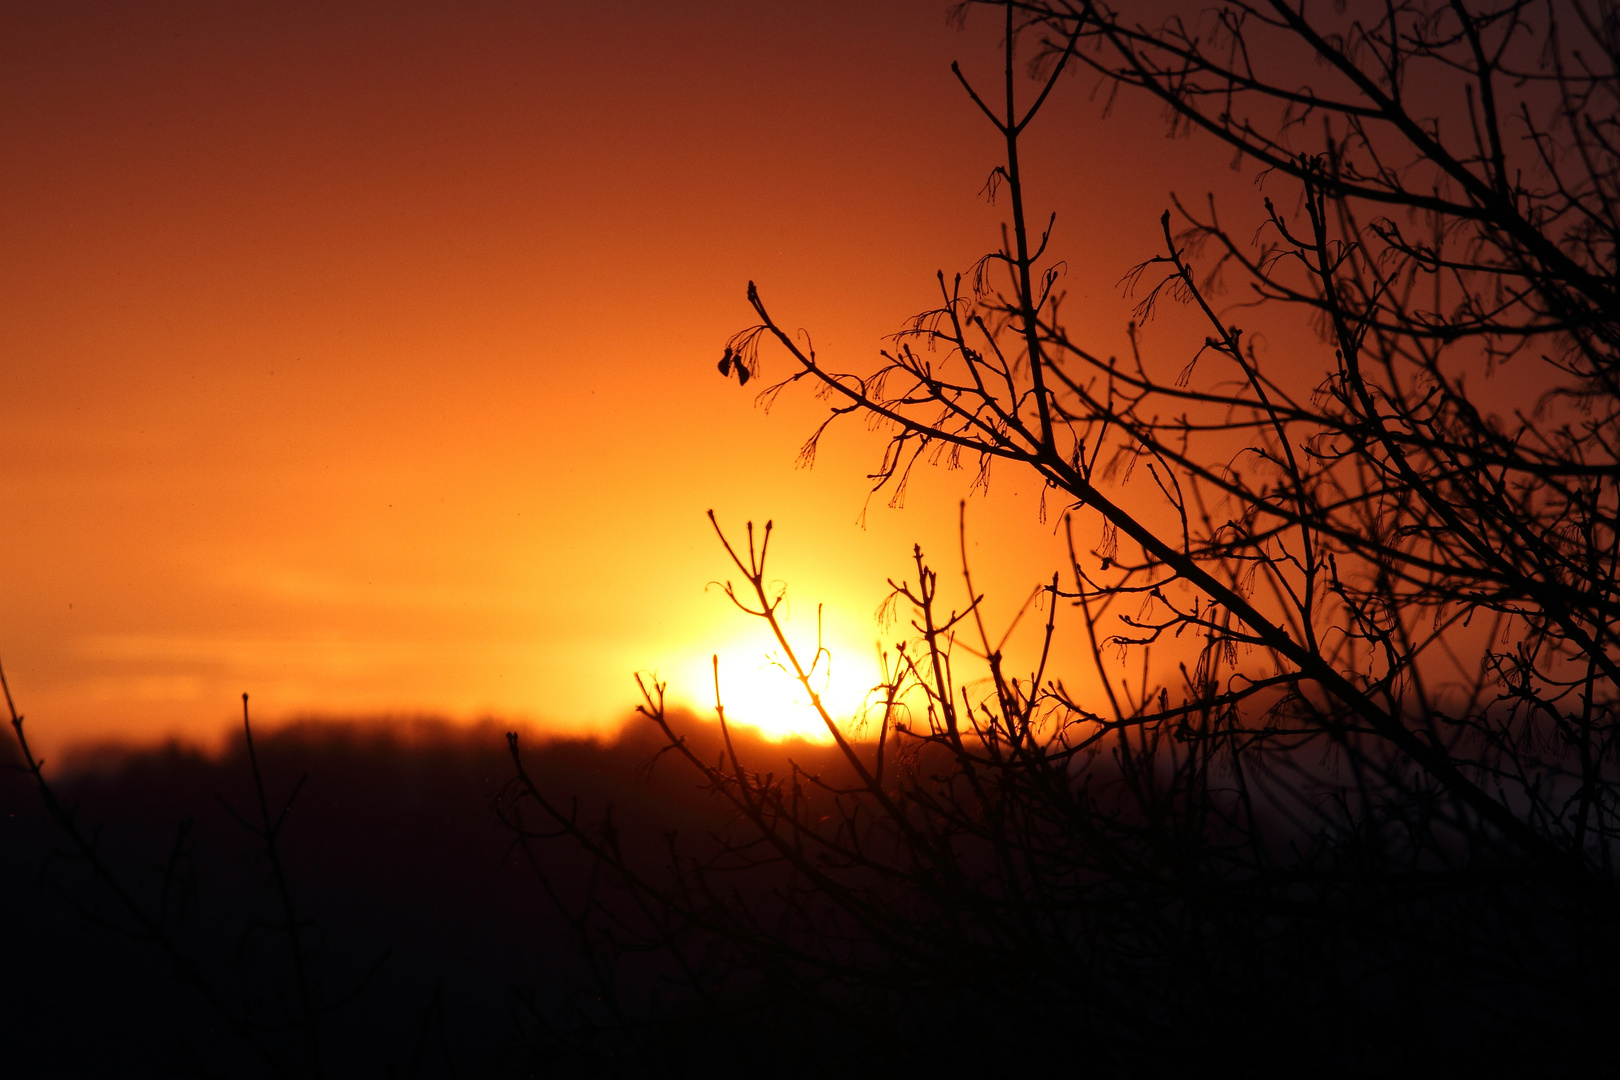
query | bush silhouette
(1346,790)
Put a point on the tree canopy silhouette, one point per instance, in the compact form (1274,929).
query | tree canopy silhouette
(1361,799)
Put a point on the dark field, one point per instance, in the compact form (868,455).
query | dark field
(433,948)
(430,938)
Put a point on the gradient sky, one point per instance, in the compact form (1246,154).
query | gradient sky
(361,355)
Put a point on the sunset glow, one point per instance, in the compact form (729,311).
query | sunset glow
(362,356)
(758,688)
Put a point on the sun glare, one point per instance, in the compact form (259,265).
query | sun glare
(758,689)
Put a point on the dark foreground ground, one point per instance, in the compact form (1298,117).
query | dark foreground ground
(432,946)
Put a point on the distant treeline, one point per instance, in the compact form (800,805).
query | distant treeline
(433,947)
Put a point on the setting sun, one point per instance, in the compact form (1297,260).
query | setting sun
(368,363)
(758,688)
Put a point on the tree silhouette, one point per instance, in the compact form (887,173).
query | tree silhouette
(1342,780)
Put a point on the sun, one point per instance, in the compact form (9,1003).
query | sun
(758,688)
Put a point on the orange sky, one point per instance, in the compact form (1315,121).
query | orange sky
(361,356)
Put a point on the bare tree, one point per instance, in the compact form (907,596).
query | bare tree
(1455,178)
(1372,813)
